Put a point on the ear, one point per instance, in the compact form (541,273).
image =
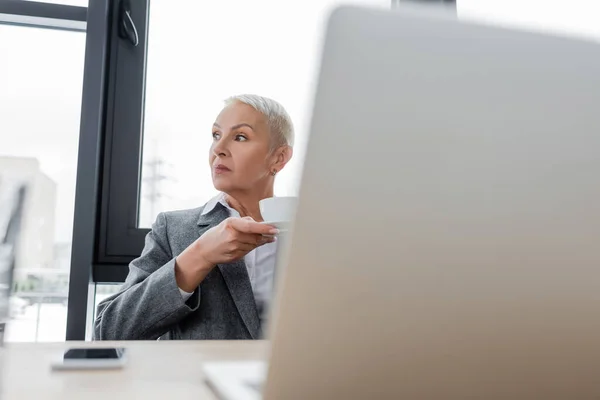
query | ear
(281,157)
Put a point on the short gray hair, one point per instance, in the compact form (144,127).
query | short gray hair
(279,121)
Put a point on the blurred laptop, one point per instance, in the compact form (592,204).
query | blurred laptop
(12,200)
(446,238)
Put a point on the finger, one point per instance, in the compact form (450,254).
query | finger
(255,240)
(249,238)
(248,247)
(268,239)
(248,225)
(251,243)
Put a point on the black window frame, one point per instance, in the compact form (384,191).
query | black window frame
(119,238)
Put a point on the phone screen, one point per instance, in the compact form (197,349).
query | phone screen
(108,353)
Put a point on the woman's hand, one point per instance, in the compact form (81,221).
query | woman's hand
(232,239)
(229,241)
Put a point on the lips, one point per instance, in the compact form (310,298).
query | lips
(221,169)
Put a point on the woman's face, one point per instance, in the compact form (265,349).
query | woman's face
(240,156)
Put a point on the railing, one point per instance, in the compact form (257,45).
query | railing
(38,299)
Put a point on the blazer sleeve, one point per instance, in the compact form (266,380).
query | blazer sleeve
(150,303)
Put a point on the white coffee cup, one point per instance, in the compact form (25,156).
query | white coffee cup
(278,209)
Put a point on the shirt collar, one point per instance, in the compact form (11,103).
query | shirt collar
(212,203)
(218,199)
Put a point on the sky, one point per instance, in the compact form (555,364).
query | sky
(199,54)
(41,75)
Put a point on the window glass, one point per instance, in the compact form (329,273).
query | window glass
(200,53)
(41,77)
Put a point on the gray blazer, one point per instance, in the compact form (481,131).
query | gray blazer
(149,305)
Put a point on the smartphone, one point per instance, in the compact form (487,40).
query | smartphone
(91,358)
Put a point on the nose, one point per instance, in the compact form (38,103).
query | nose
(220,148)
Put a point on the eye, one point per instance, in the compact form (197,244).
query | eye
(216,135)
(241,138)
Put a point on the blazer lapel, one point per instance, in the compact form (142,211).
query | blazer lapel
(235,275)
(238,283)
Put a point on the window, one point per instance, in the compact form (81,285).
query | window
(41,76)
(266,47)
(191,62)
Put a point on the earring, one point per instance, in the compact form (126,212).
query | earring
(273,173)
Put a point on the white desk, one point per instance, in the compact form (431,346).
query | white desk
(167,370)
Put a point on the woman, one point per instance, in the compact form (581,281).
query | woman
(206,273)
